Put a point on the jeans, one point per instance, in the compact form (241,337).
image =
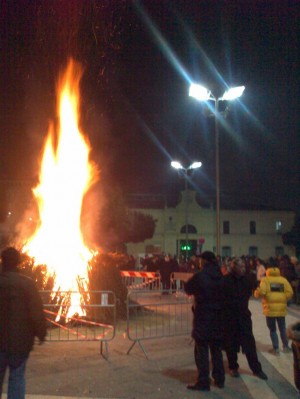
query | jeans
(271,323)
(16,380)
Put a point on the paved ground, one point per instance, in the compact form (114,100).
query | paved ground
(76,369)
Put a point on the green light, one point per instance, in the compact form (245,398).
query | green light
(186,247)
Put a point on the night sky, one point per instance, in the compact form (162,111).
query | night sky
(139,60)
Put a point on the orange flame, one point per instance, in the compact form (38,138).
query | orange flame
(66,175)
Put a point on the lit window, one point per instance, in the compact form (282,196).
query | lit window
(278,226)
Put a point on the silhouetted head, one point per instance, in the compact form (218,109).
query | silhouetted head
(238,267)
(10,258)
(208,257)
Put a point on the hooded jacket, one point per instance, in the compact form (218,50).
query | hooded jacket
(207,288)
(275,291)
(21,314)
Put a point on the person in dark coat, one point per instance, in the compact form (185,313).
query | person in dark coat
(207,288)
(293,333)
(237,320)
(21,320)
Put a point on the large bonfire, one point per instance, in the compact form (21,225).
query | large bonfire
(66,174)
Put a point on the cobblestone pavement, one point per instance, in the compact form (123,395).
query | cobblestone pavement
(68,370)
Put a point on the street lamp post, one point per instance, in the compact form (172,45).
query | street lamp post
(177,165)
(201,93)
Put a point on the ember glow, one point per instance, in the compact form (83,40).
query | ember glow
(66,174)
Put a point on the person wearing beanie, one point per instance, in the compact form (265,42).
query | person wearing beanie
(21,320)
(275,292)
(206,286)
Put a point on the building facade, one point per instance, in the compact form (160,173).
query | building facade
(185,228)
(189,229)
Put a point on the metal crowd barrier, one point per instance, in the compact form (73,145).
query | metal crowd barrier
(177,279)
(139,280)
(157,314)
(92,319)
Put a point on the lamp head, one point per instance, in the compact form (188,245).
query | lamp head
(199,92)
(233,93)
(195,165)
(176,165)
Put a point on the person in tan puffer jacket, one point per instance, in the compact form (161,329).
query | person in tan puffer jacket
(275,292)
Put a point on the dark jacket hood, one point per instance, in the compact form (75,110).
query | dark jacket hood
(213,270)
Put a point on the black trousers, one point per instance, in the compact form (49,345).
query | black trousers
(251,355)
(201,353)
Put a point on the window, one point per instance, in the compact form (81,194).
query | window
(278,227)
(190,229)
(252,227)
(226,252)
(279,251)
(253,251)
(226,227)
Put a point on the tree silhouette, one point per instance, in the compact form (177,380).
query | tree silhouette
(117,225)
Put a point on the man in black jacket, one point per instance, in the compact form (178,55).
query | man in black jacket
(237,320)
(207,288)
(21,319)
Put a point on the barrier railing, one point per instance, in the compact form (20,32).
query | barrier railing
(177,280)
(153,315)
(96,322)
(135,280)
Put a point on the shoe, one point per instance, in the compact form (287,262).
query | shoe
(274,351)
(261,375)
(286,349)
(219,384)
(234,373)
(198,387)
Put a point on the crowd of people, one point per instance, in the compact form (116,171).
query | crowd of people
(222,319)
(289,267)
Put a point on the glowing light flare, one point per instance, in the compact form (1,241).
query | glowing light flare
(199,92)
(66,175)
(194,165)
(176,165)
(233,93)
